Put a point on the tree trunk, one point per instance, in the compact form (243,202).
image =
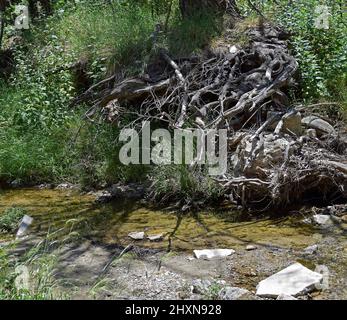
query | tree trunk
(3,4)
(189,7)
(45,5)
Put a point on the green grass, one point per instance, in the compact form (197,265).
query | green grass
(38,141)
(36,266)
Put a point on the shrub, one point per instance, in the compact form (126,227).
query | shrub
(10,219)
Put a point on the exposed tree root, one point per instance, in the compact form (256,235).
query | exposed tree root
(244,90)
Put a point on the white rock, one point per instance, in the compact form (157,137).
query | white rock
(311,249)
(294,280)
(208,254)
(155,237)
(24,226)
(322,219)
(251,247)
(232,293)
(233,49)
(137,235)
(285,297)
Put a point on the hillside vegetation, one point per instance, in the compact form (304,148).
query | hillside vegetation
(62,54)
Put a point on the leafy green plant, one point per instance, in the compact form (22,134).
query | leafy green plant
(10,219)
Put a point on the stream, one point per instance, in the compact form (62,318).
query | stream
(165,269)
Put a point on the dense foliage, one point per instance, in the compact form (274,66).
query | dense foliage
(42,139)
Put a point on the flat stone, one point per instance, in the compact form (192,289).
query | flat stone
(322,219)
(285,297)
(200,286)
(208,254)
(232,293)
(137,235)
(319,124)
(292,123)
(155,237)
(311,249)
(251,247)
(293,280)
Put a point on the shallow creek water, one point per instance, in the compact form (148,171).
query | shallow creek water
(280,241)
(70,212)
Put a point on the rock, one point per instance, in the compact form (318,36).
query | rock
(285,297)
(155,237)
(16,183)
(311,249)
(312,133)
(293,280)
(45,186)
(251,247)
(272,150)
(322,219)
(232,293)
(324,271)
(65,186)
(292,123)
(322,126)
(208,254)
(233,49)
(24,226)
(103,196)
(200,286)
(137,235)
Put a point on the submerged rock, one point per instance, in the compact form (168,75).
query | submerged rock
(232,293)
(137,235)
(208,254)
(155,237)
(293,280)
(251,247)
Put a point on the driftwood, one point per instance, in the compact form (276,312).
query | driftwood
(243,90)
